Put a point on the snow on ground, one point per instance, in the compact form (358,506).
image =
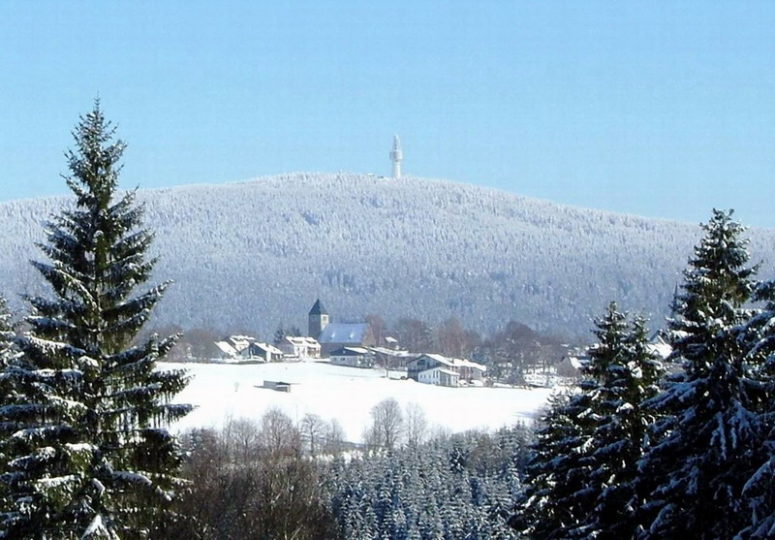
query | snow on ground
(223,391)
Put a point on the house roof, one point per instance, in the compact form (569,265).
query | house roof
(344,333)
(226,348)
(454,362)
(394,352)
(318,309)
(439,358)
(239,343)
(350,351)
(462,362)
(266,347)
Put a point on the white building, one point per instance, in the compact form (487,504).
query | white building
(443,371)
(440,376)
(263,352)
(300,348)
(234,347)
(393,359)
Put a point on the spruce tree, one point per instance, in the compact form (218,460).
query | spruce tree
(629,373)
(8,400)
(89,453)
(6,333)
(556,473)
(279,335)
(759,489)
(710,437)
(580,481)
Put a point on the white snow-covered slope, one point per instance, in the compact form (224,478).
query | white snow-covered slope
(222,392)
(246,256)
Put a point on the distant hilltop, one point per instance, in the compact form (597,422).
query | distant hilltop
(249,255)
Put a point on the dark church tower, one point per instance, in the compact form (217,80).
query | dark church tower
(318,319)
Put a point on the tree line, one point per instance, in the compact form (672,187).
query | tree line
(266,479)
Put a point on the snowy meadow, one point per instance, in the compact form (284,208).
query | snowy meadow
(221,392)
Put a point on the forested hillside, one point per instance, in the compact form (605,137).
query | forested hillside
(250,255)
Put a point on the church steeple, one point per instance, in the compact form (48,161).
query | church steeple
(318,319)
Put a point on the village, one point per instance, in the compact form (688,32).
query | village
(352,345)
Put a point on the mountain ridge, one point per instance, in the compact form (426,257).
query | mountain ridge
(251,254)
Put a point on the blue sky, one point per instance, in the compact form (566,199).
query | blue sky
(662,109)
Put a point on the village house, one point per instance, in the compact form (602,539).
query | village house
(263,352)
(393,359)
(233,347)
(352,357)
(236,349)
(440,376)
(440,370)
(300,348)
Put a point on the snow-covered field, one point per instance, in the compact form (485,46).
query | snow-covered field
(222,391)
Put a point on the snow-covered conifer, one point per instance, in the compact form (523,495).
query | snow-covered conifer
(555,473)
(579,481)
(8,400)
(759,489)
(89,456)
(693,475)
(454,488)
(628,372)
(279,335)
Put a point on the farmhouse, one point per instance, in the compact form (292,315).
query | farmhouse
(263,352)
(443,371)
(439,376)
(352,357)
(234,347)
(300,348)
(393,359)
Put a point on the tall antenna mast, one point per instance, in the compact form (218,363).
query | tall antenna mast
(396,156)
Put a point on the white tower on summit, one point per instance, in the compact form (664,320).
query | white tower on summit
(396,156)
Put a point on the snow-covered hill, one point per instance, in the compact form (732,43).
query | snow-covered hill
(246,256)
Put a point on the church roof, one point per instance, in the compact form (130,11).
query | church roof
(344,333)
(318,309)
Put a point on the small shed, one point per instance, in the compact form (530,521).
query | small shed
(277,386)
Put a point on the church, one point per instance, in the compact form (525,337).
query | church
(333,336)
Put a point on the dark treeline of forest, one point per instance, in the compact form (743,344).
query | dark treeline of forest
(274,479)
